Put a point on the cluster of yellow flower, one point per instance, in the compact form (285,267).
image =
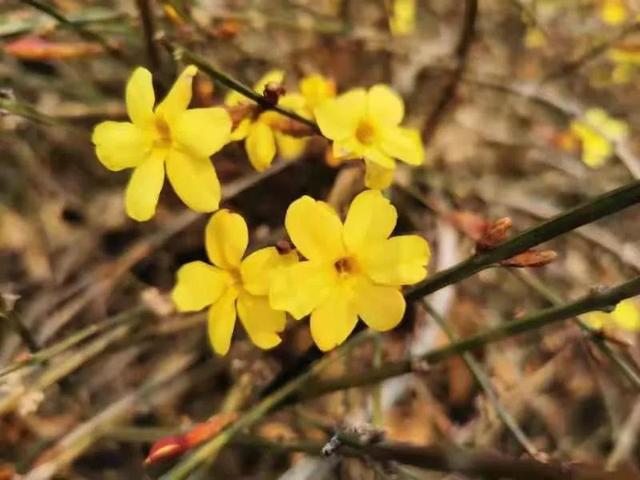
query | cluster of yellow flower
(339,272)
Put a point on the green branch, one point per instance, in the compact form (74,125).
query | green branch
(534,321)
(227,81)
(588,212)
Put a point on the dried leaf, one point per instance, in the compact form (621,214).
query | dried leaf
(35,48)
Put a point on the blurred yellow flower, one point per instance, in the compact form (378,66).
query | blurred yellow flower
(597,131)
(534,38)
(614,12)
(232,285)
(626,316)
(351,270)
(626,62)
(170,135)
(315,89)
(261,138)
(403,17)
(366,124)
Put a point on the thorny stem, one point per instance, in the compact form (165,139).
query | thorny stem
(534,321)
(485,383)
(222,78)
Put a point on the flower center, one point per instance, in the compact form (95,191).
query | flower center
(366,132)
(236,278)
(163,131)
(346,265)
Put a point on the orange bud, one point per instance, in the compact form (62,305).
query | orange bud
(175,445)
(165,448)
(531,258)
(495,234)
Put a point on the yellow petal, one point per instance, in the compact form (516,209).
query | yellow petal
(316,89)
(198,285)
(315,229)
(404,144)
(377,177)
(334,319)
(400,260)
(299,288)
(257,269)
(202,131)
(290,148)
(143,190)
(120,145)
(194,180)
(260,145)
(596,320)
(222,319)
(226,239)
(179,97)
(627,316)
(241,131)
(371,219)
(272,76)
(374,154)
(380,307)
(261,322)
(140,97)
(384,105)
(338,118)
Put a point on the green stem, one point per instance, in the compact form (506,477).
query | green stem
(613,355)
(223,79)
(588,212)
(534,321)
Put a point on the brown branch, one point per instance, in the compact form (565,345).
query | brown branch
(461,53)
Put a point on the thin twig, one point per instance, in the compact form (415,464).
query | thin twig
(629,371)
(222,78)
(270,402)
(485,383)
(434,457)
(148,28)
(461,53)
(79,28)
(20,328)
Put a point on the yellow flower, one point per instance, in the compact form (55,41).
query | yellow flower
(231,285)
(403,17)
(365,124)
(261,139)
(597,131)
(614,12)
(171,136)
(626,316)
(352,270)
(315,89)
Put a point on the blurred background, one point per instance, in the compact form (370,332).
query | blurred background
(526,108)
